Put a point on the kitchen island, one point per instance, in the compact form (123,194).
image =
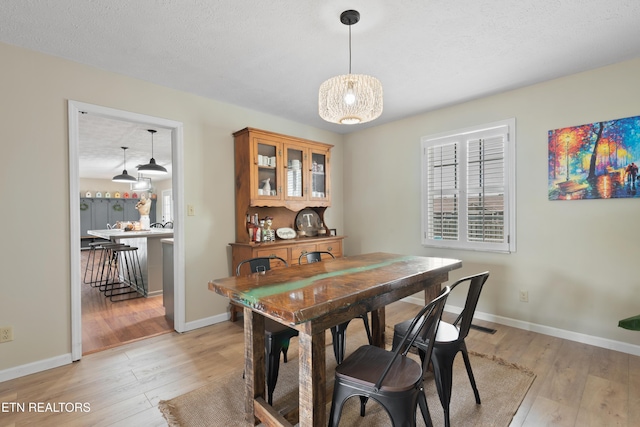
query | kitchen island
(149,252)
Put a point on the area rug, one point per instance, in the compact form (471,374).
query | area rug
(502,388)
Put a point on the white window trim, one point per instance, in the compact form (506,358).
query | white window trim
(508,126)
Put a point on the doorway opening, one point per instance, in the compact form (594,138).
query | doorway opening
(117,312)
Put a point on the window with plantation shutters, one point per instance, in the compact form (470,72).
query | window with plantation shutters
(469,188)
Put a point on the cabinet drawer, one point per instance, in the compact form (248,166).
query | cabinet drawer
(334,247)
(266,252)
(298,250)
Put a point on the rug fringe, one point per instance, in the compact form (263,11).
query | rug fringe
(167,408)
(501,361)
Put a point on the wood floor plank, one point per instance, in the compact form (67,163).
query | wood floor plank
(634,388)
(610,365)
(546,412)
(604,403)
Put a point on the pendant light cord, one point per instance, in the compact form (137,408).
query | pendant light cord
(349,48)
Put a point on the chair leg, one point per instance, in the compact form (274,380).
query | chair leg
(363,405)
(442,360)
(467,363)
(340,394)
(339,341)
(424,408)
(365,320)
(401,411)
(285,349)
(274,345)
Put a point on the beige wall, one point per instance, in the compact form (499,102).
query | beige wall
(35,285)
(578,259)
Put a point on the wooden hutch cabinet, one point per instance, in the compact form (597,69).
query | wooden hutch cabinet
(278,176)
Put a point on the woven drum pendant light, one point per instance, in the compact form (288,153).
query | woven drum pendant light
(350,98)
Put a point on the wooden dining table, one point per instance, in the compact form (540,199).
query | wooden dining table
(312,298)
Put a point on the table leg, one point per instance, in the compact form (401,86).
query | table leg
(378,320)
(432,292)
(254,368)
(313,381)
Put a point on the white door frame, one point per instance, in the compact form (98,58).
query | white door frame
(177,153)
(166,193)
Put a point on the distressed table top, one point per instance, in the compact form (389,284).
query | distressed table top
(301,293)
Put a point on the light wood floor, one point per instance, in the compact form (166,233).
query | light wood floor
(576,384)
(107,324)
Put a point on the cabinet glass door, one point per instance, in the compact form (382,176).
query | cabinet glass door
(267,184)
(295,177)
(319,169)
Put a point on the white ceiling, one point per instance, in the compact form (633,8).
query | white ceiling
(100,152)
(272,56)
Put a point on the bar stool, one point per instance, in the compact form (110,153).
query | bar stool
(91,262)
(107,274)
(129,275)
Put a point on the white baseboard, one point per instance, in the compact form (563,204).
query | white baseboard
(32,368)
(65,359)
(207,321)
(542,329)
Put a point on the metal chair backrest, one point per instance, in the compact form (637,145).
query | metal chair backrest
(260,264)
(315,256)
(463,322)
(425,324)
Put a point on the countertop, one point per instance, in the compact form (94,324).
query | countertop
(121,234)
(167,241)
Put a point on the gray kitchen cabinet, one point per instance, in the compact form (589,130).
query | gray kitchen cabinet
(100,214)
(167,278)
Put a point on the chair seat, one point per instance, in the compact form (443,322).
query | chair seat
(446,333)
(367,363)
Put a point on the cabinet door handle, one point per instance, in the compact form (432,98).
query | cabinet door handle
(303,252)
(330,248)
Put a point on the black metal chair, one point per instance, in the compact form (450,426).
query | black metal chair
(448,342)
(156,225)
(168,224)
(339,332)
(390,377)
(277,335)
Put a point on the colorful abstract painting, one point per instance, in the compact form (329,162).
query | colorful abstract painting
(595,161)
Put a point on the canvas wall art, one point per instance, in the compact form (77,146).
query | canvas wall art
(595,161)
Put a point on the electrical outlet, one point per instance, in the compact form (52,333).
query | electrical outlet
(524,296)
(6,334)
(190,210)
